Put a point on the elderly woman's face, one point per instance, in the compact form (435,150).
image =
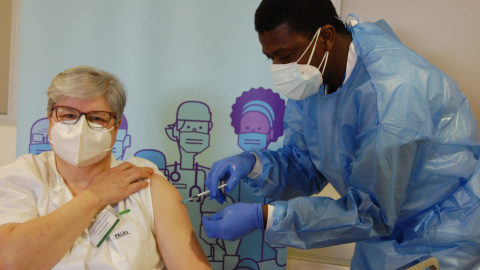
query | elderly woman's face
(98,104)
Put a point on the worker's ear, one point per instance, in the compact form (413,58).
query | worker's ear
(327,34)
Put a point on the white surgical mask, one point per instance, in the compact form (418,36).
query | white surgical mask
(79,144)
(298,81)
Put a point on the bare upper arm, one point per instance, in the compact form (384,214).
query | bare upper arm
(175,236)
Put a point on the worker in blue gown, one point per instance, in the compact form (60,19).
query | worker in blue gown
(392,133)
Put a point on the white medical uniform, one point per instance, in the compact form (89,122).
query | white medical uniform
(32,187)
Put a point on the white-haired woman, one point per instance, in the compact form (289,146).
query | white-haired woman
(76,207)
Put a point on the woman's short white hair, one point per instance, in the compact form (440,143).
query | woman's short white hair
(88,83)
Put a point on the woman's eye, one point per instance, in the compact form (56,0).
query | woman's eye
(70,116)
(95,119)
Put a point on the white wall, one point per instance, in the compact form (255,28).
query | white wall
(5,27)
(443,31)
(8,59)
(8,133)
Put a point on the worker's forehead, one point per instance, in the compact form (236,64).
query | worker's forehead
(282,37)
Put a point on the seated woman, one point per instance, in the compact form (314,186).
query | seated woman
(57,208)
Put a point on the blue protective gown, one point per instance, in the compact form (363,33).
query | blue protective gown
(399,142)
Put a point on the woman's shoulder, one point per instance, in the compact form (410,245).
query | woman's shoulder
(165,188)
(30,169)
(137,161)
(30,163)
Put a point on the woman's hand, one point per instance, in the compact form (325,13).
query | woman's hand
(116,184)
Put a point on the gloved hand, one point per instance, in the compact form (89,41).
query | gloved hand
(233,169)
(234,221)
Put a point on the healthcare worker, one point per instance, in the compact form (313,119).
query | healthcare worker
(391,132)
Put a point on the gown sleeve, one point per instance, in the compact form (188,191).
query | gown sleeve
(289,171)
(369,208)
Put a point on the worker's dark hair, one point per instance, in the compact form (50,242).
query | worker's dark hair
(302,16)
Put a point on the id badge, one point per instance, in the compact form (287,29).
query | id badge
(102,227)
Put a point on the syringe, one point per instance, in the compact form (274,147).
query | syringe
(201,194)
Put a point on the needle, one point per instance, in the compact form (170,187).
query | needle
(201,194)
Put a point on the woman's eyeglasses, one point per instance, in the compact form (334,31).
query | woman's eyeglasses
(70,116)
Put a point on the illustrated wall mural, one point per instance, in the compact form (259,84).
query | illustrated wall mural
(254,112)
(258,113)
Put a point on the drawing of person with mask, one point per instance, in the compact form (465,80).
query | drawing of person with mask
(123,140)
(191,131)
(257,118)
(39,137)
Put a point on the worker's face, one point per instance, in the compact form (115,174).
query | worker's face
(283,46)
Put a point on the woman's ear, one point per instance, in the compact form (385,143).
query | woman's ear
(118,126)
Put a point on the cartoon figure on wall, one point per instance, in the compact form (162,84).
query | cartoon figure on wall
(123,140)
(39,141)
(155,156)
(191,131)
(257,119)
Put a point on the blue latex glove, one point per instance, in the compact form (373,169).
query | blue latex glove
(234,221)
(233,169)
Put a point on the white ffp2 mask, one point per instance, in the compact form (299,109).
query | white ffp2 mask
(79,144)
(298,81)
